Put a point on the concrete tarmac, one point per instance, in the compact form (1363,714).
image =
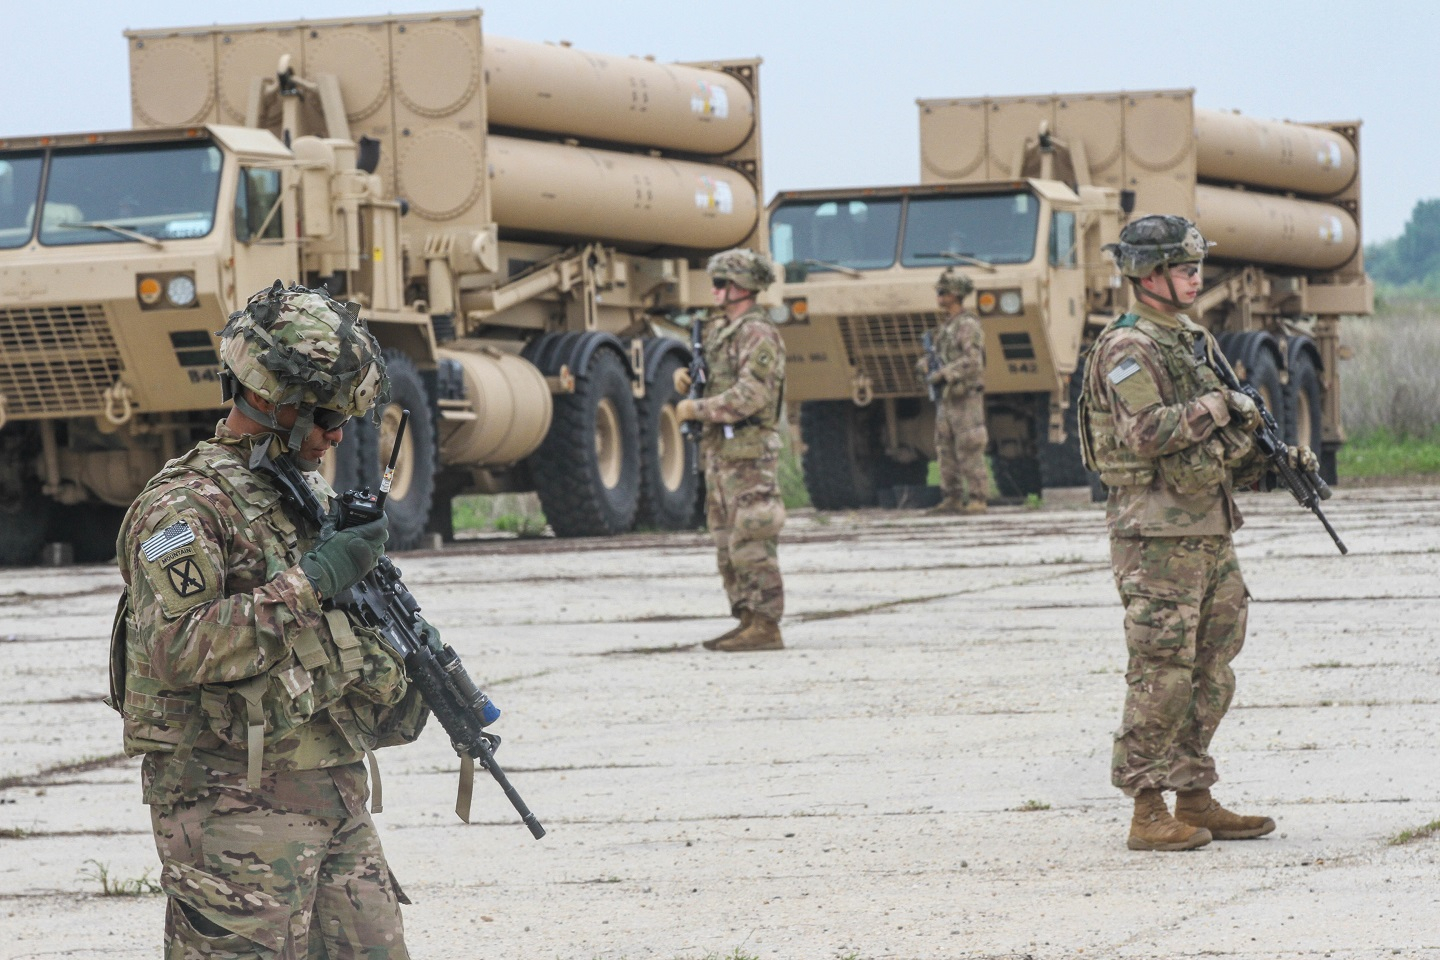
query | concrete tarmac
(923,772)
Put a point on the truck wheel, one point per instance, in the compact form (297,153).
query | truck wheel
(413,486)
(668,479)
(23,522)
(344,468)
(1302,421)
(837,473)
(1060,463)
(587,471)
(1014,449)
(1264,376)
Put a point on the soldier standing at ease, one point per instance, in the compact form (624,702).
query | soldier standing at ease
(960,434)
(255,707)
(740,447)
(1171,444)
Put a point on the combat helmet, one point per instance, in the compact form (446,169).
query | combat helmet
(956,284)
(744,268)
(1160,240)
(300,347)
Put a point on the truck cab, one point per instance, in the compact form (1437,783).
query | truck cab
(860,270)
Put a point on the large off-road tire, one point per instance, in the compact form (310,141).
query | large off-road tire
(23,525)
(1303,403)
(1264,375)
(1014,424)
(412,489)
(350,466)
(668,478)
(836,463)
(1060,463)
(587,470)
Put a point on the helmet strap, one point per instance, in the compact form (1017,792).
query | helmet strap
(1174,298)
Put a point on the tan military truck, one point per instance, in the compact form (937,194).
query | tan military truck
(1021,193)
(517,219)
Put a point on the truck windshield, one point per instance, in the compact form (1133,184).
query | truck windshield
(124,194)
(19,188)
(996,228)
(853,234)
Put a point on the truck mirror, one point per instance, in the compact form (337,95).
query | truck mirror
(368,158)
(1127,201)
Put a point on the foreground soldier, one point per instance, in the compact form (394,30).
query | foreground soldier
(960,434)
(252,705)
(1171,444)
(740,448)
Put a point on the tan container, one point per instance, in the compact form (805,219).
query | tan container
(508,409)
(1264,228)
(1272,153)
(558,89)
(564,191)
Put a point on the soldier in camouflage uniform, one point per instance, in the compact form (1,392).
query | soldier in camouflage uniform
(254,706)
(1171,444)
(960,434)
(740,447)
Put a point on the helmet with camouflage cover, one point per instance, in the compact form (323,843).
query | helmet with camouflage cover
(953,283)
(744,268)
(1160,240)
(299,347)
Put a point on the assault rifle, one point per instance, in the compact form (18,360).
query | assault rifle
(699,373)
(1307,487)
(932,366)
(382,602)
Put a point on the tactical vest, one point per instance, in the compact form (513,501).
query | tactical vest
(279,714)
(747,438)
(1187,471)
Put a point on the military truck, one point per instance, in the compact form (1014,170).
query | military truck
(517,220)
(1020,193)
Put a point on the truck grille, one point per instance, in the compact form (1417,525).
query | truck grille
(885,347)
(56,360)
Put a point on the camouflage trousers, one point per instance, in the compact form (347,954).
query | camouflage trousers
(744,512)
(960,439)
(293,870)
(1185,611)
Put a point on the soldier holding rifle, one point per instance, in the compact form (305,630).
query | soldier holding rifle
(1172,443)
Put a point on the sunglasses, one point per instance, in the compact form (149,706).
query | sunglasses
(327,419)
(719,283)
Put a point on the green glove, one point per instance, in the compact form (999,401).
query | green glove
(431,635)
(340,559)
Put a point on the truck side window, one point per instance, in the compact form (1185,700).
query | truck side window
(257,206)
(1062,239)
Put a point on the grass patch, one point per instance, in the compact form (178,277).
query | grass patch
(791,474)
(1383,453)
(1419,833)
(1030,805)
(517,513)
(117,886)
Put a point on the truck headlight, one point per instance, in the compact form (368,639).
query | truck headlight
(180,291)
(1010,301)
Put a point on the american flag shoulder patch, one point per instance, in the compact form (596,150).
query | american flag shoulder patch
(1123,369)
(176,535)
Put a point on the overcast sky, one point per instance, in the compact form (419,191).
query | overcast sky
(840,79)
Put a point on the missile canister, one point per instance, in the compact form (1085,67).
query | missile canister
(1248,226)
(1273,154)
(561,90)
(567,191)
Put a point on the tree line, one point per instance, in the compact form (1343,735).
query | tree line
(1410,263)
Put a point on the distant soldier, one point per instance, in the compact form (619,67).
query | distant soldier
(740,447)
(1171,444)
(960,434)
(255,707)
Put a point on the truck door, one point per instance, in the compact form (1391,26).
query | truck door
(265,248)
(1066,313)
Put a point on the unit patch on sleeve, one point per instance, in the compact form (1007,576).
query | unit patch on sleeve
(180,573)
(1133,385)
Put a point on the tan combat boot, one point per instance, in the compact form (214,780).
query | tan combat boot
(975,506)
(1152,827)
(762,633)
(1199,809)
(712,643)
(946,506)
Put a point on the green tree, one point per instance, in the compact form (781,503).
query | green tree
(1414,256)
